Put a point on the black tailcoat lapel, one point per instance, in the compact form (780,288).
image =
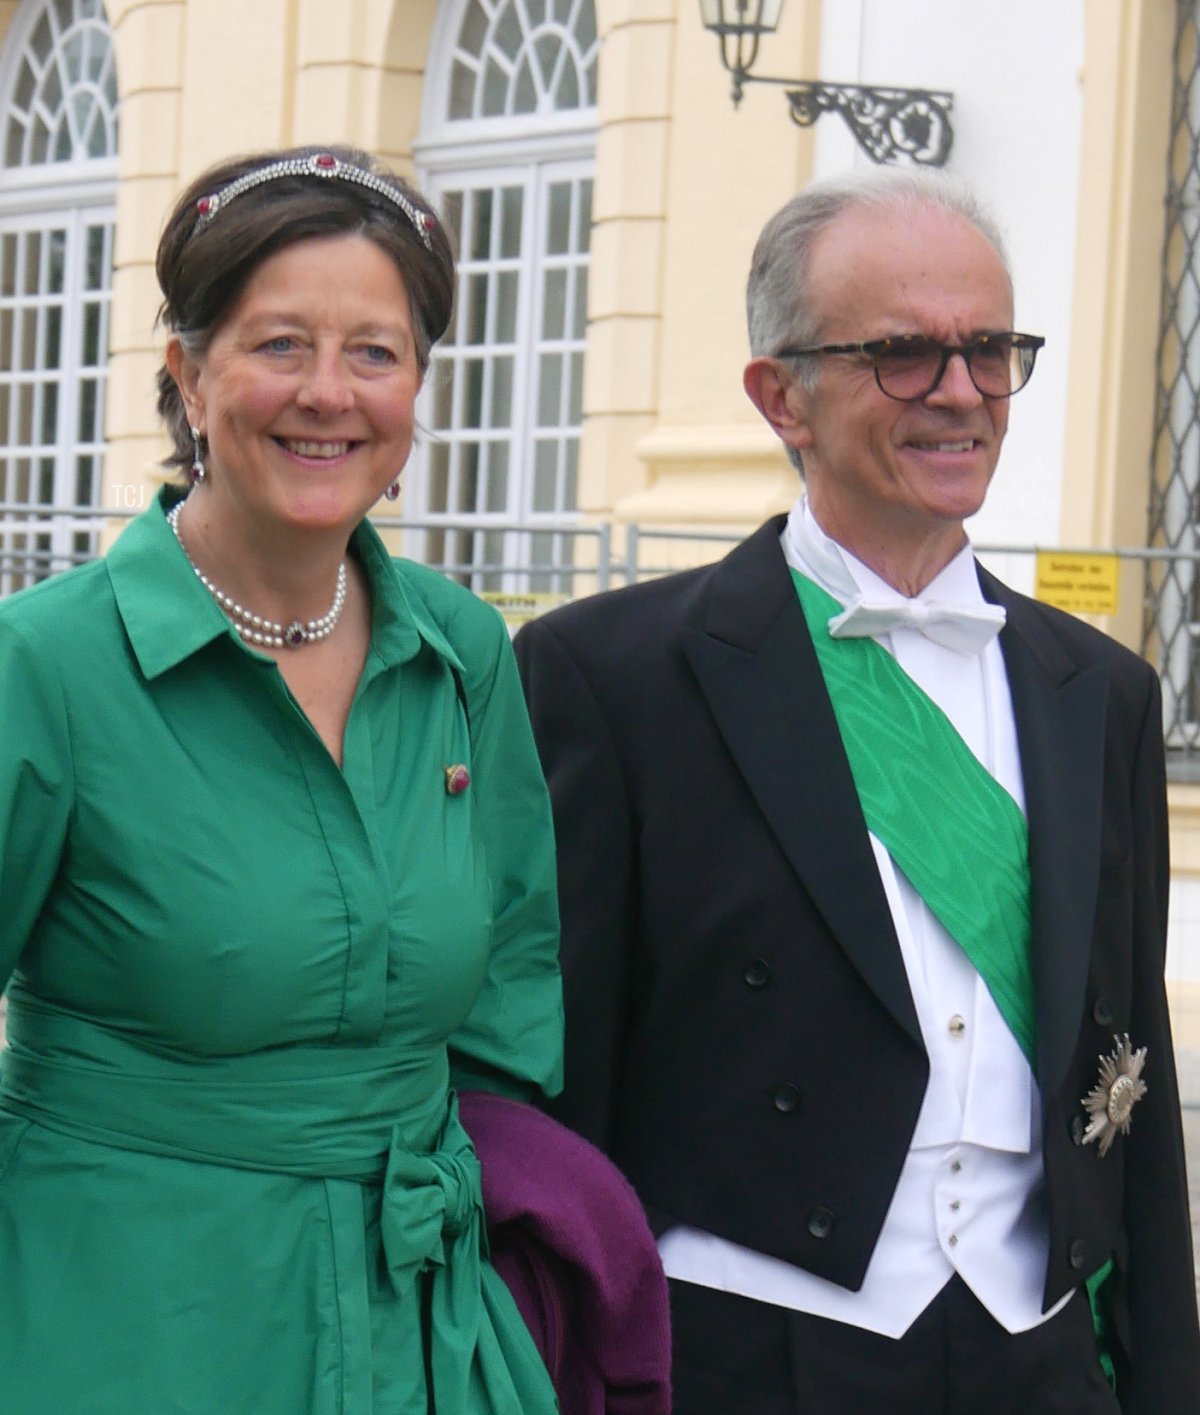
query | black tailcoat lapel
(756,667)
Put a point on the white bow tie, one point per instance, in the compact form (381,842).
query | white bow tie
(965,628)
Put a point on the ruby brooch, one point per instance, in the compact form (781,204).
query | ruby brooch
(1111,1100)
(458,778)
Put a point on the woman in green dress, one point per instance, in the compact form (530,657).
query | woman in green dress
(276,870)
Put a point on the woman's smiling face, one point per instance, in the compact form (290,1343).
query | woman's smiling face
(305,393)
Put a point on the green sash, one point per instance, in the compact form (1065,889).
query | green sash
(954,831)
(920,787)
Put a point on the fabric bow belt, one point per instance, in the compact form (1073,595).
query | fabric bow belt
(429,1201)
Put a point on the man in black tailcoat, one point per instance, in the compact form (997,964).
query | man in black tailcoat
(863,868)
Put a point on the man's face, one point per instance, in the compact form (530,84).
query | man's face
(887,478)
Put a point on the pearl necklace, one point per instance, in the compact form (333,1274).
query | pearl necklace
(266,633)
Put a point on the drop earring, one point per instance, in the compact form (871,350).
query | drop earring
(199,472)
(393,491)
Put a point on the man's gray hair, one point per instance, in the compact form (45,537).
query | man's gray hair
(779,308)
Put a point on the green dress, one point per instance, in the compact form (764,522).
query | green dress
(242,986)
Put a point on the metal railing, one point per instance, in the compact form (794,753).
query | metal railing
(600,555)
(603,554)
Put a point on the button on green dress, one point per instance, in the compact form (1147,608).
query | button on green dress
(242,984)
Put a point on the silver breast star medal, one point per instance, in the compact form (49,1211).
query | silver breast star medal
(1112,1099)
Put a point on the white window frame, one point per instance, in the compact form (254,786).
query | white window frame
(71,196)
(530,151)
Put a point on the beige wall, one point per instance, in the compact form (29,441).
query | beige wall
(299,71)
(682,190)
(669,436)
(1127,86)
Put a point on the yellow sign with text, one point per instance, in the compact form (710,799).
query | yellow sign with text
(519,609)
(1081,584)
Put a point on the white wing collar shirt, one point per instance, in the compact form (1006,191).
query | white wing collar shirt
(969,1198)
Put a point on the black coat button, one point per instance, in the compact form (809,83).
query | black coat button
(758,973)
(786,1097)
(1078,1129)
(821,1222)
(1077,1254)
(1102,1012)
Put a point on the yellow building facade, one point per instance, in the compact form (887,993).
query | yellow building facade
(1063,120)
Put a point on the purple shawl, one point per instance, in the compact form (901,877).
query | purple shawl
(569,1238)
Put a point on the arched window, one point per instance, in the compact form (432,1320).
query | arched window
(507,151)
(58,96)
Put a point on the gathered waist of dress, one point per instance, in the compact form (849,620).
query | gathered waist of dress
(321,1111)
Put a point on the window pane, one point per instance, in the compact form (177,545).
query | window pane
(57,262)
(91,335)
(497,477)
(52,92)
(49,419)
(507,36)
(547,48)
(53,349)
(571,490)
(502,393)
(25,88)
(481,217)
(558,228)
(8,265)
(512,204)
(508,284)
(462,91)
(442,379)
(554,306)
(468,477)
(495,90)
(87,480)
(29,261)
(579,303)
(475,315)
(525,99)
(545,477)
(575,405)
(583,236)
(473,399)
(566,91)
(439,473)
(28,327)
(549,390)
(88,409)
(95,265)
(473,33)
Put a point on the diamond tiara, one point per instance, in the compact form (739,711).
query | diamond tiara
(324,165)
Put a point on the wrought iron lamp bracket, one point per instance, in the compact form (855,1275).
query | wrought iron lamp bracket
(889,124)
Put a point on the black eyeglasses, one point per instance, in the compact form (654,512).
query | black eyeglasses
(908,367)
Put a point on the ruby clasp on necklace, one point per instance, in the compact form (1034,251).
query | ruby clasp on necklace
(254,628)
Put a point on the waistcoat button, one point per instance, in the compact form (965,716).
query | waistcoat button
(786,1097)
(821,1222)
(758,973)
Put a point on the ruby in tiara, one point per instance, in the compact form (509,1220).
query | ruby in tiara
(320,164)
